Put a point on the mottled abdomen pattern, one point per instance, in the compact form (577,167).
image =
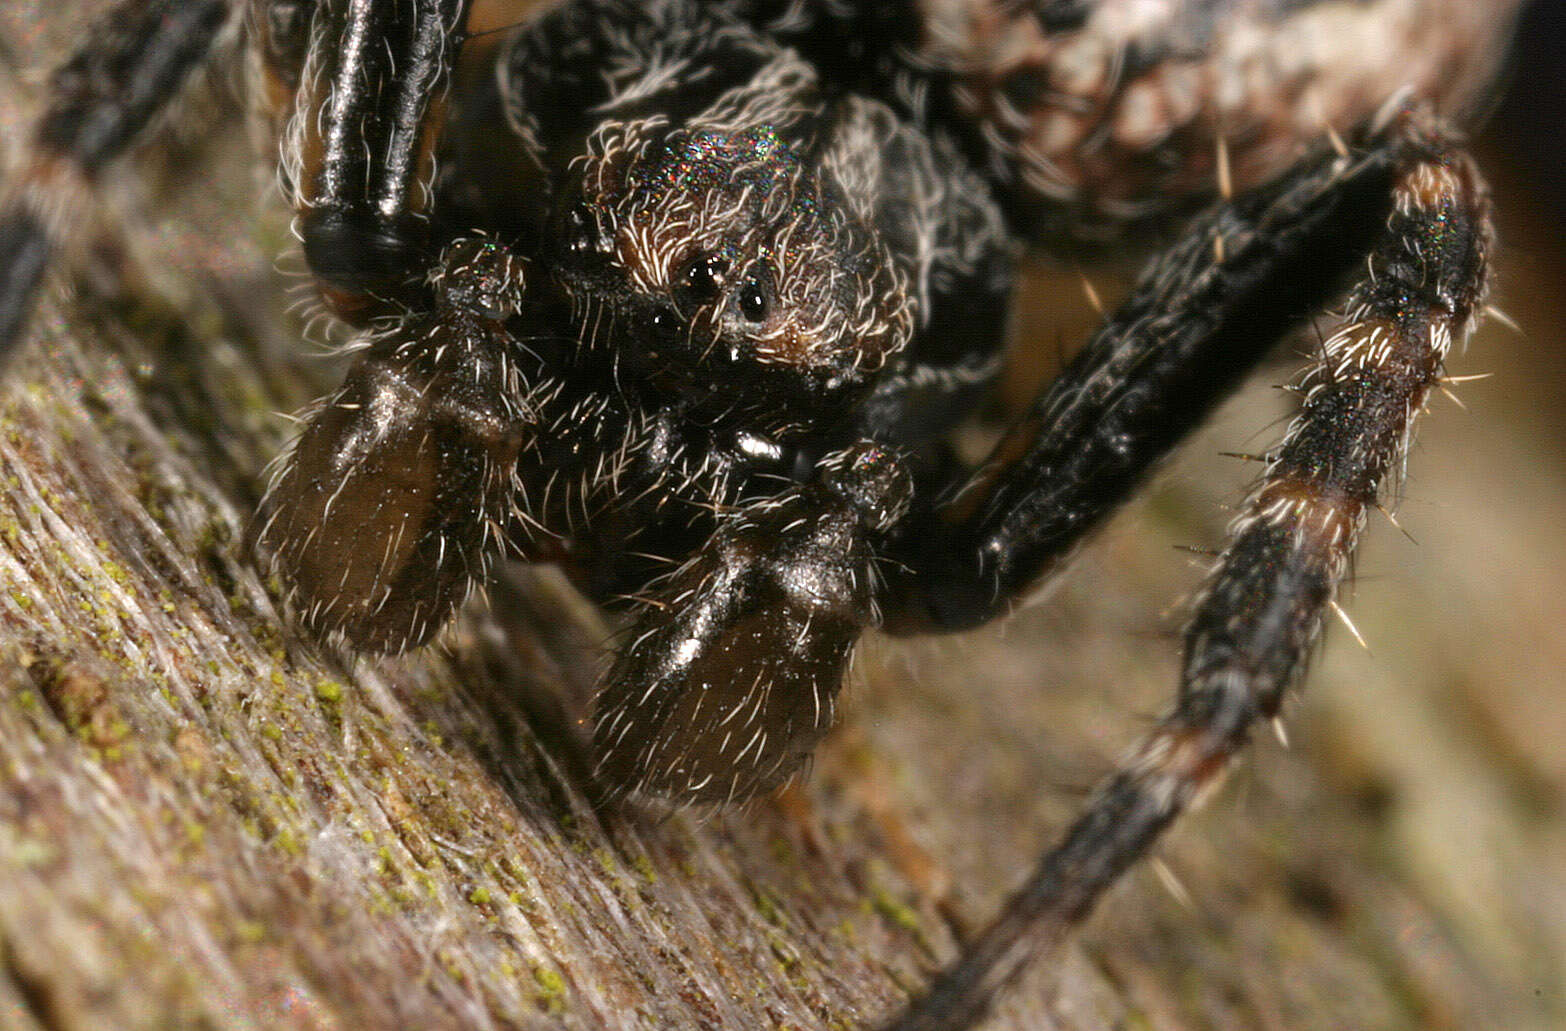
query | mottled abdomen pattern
(1112,110)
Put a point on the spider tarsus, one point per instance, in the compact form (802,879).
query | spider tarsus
(1121,822)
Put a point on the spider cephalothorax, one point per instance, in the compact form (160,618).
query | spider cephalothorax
(727,267)
(690,297)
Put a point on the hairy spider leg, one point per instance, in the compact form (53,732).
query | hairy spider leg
(364,84)
(128,70)
(1199,320)
(1287,553)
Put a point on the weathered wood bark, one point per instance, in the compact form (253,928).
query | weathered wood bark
(208,821)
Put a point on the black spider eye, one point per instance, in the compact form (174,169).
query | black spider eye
(704,278)
(581,228)
(753,303)
(666,322)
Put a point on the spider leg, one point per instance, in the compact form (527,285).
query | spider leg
(359,151)
(399,489)
(1201,318)
(126,73)
(1287,554)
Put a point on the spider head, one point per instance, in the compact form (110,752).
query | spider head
(723,267)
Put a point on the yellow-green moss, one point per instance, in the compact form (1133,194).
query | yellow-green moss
(896,912)
(551,989)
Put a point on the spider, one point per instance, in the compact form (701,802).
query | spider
(689,297)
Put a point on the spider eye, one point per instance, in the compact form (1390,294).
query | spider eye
(704,279)
(581,229)
(666,322)
(753,302)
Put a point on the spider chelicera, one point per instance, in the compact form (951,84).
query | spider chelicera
(688,298)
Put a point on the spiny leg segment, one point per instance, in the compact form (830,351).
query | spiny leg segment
(359,151)
(1199,321)
(1286,558)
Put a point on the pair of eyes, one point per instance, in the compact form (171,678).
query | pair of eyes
(703,282)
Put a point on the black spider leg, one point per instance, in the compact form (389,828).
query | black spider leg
(399,490)
(1200,319)
(359,152)
(128,70)
(1288,552)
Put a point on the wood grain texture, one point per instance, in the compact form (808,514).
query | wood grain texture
(207,821)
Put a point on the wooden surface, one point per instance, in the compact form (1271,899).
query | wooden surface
(207,821)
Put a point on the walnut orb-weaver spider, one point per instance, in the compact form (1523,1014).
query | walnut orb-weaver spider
(743,433)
